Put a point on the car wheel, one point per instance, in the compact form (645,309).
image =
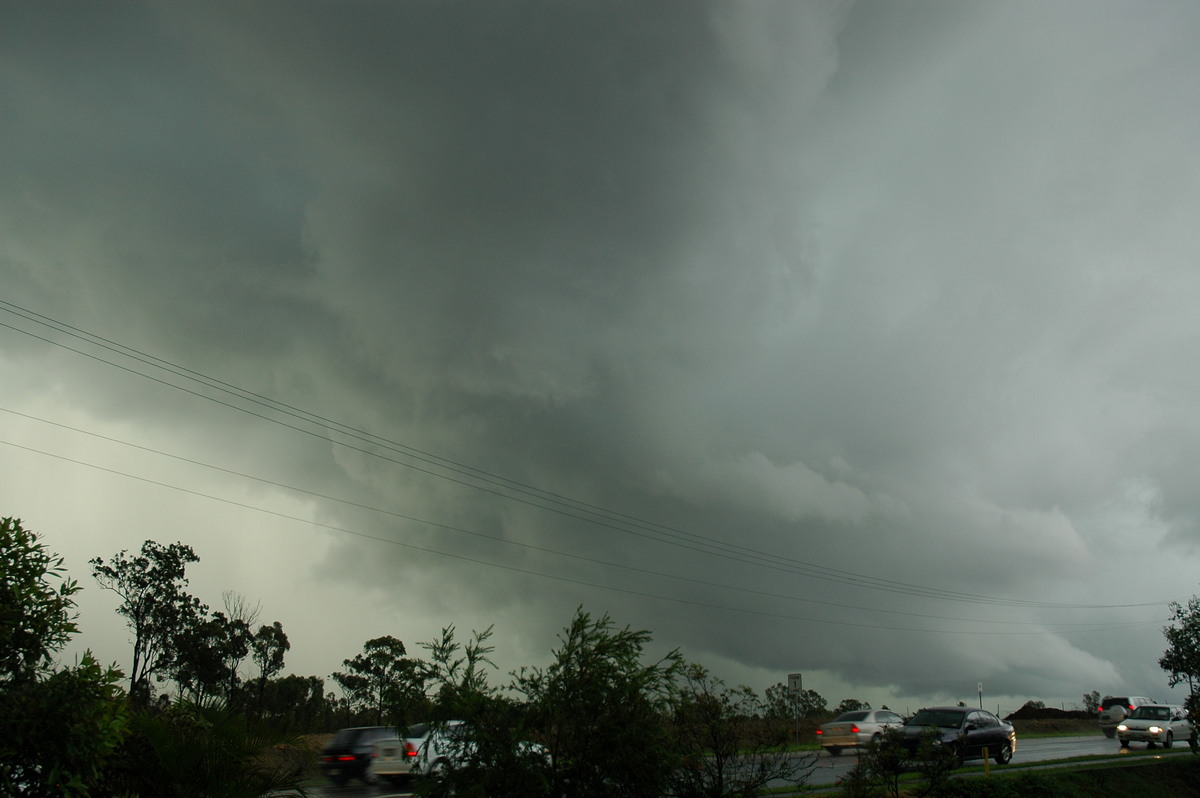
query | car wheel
(876,738)
(1169,740)
(834,750)
(1109,733)
(1004,755)
(1124,745)
(1149,746)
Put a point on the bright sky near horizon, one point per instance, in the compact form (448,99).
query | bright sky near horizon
(855,339)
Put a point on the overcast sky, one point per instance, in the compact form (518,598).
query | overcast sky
(850,339)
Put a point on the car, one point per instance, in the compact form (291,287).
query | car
(441,747)
(394,757)
(1114,709)
(852,729)
(1155,723)
(973,733)
(348,753)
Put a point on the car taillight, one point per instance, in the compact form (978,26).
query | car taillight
(410,749)
(1131,707)
(346,758)
(854,728)
(819,732)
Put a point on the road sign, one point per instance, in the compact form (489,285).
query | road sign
(795,683)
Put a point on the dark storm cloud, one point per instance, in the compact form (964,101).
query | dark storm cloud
(833,288)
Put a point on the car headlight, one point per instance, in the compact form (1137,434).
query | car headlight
(1122,727)
(1155,730)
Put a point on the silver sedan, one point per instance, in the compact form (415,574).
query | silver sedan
(852,729)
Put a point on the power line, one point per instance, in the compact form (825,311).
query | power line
(1081,628)
(497,485)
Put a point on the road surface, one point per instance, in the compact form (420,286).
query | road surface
(831,768)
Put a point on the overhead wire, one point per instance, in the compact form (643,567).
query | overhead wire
(1066,629)
(494,484)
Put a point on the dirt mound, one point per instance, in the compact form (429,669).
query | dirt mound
(1049,713)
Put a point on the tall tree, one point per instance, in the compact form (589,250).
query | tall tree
(604,711)
(266,650)
(207,649)
(851,705)
(153,603)
(382,678)
(783,703)
(1181,660)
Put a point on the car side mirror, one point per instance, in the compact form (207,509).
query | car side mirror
(970,727)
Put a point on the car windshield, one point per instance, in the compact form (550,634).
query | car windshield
(850,716)
(946,718)
(1112,701)
(1151,713)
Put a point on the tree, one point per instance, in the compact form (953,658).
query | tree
(1181,660)
(493,754)
(604,713)
(206,653)
(783,703)
(36,617)
(456,672)
(267,648)
(728,749)
(153,604)
(382,678)
(58,726)
(1091,701)
(851,705)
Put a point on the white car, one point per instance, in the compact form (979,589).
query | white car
(395,759)
(1115,708)
(853,729)
(1155,723)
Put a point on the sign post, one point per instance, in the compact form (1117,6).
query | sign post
(795,688)
(980,687)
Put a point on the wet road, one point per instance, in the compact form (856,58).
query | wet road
(830,769)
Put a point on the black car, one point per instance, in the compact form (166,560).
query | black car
(973,733)
(348,753)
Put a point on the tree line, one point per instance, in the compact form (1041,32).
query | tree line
(203,653)
(612,719)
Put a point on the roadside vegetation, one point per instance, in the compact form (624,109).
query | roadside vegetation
(203,707)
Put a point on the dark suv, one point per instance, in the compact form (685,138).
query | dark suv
(347,755)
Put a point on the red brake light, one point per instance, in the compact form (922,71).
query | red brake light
(1131,707)
(854,728)
(346,758)
(410,749)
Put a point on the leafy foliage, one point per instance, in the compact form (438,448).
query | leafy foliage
(1181,660)
(605,713)
(205,750)
(727,747)
(57,726)
(382,679)
(36,617)
(851,705)
(881,765)
(783,703)
(153,603)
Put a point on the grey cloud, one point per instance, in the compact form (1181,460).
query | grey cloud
(905,294)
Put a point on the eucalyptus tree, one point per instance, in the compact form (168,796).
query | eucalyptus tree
(153,602)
